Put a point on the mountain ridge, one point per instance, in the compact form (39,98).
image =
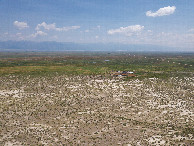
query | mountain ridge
(52,46)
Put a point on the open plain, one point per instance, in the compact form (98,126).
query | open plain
(73,100)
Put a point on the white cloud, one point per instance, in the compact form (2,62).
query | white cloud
(98,26)
(38,33)
(87,30)
(161,12)
(20,25)
(53,27)
(55,37)
(128,31)
(45,26)
(191,30)
(18,34)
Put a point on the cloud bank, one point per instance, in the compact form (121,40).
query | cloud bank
(161,12)
(20,25)
(53,27)
(128,31)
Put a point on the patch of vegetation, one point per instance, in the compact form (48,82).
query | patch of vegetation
(144,65)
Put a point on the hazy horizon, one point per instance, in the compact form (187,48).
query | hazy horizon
(53,46)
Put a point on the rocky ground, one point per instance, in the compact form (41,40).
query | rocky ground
(93,110)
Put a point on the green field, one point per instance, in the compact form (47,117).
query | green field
(143,64)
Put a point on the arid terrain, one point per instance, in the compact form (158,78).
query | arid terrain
(95,110)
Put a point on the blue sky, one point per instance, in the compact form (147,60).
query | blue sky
(158,22)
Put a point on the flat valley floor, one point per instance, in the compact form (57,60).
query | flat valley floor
(85,109)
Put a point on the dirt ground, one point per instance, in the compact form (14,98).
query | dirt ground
(92,110)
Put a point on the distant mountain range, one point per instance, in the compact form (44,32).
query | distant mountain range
(15,46)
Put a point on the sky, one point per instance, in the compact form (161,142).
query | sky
(158,22)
